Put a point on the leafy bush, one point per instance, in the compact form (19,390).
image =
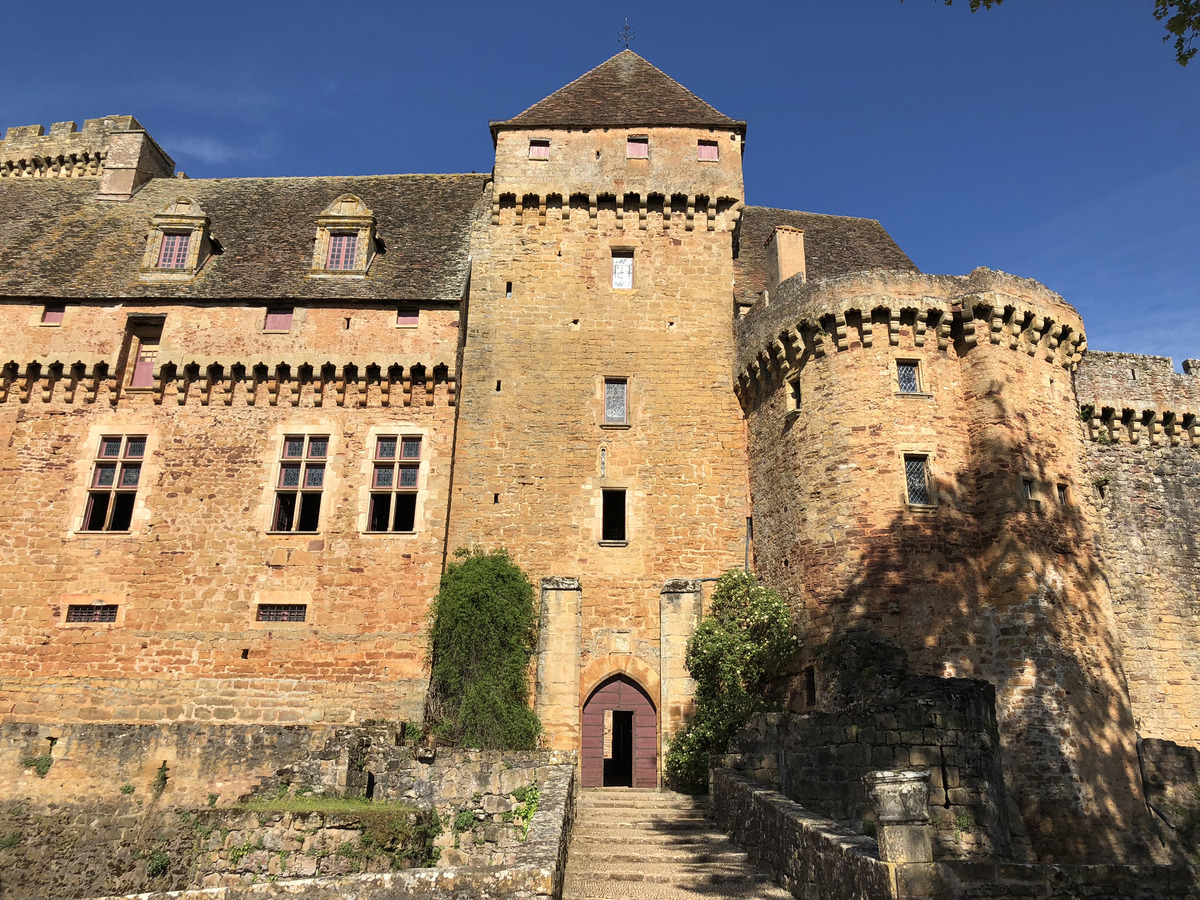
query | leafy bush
(40,764)
(158,864)
(739,647)
(482,638)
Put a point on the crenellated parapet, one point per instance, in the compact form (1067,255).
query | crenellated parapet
(803,322)
(689,212)
(314,384)
(1126,398)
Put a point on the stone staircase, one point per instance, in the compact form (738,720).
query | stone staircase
(655,845)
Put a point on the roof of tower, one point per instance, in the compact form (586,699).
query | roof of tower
(833,245)
(623,90)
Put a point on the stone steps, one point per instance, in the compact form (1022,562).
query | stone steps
(658,845)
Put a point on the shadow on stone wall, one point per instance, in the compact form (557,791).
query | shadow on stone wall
(991,585)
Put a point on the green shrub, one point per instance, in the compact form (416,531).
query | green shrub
(127,789)
(736,651)
(158,864)
(10,840)
(483,634)
(160,780)
(40,764)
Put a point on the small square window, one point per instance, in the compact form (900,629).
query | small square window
(539,149)
(92,612)
(637,148)
(916,478)
(278,320)
(613,525)
(408,317)
(343,249)
(908,376)
(706,151)
(622,269)
(616,401)
(53,315)
(174,251)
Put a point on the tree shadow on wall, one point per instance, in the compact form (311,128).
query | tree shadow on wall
(992,585)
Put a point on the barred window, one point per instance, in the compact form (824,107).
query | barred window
(282,612)
(92,612)
(908,376)
(916,477)
(395,480)
(616,406)
(300,483)
(113,488)
(343,248)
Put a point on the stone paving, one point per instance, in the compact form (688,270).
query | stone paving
(639,844)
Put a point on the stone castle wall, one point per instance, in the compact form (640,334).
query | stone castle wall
(1145,475)
(199,556)
(983,582)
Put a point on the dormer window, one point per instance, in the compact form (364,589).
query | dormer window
(345,243)
(539,149)
(342,251)
(173,254)
(178,243)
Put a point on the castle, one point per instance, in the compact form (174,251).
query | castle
(243,422)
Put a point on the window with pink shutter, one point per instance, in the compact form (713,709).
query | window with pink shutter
(408,317)
(343,248)
(278,320)
(637,148)
(145,356)
(706,151)
(53,315)
(174,251)
(539,149)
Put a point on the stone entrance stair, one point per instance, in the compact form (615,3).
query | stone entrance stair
(655,845)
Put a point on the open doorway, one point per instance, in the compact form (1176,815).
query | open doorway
(620,736)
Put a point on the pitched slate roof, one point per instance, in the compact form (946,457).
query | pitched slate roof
(833,245)
(58,240)
(624,90)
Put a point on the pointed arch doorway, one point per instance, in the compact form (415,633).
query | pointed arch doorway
(620,736)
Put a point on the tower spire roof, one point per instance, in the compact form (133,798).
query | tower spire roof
(622,91)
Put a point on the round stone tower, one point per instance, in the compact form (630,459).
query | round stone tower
(918,477)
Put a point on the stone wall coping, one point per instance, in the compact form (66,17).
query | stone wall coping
(681,586)
(560,583)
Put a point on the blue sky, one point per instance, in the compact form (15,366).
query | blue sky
(1056,139)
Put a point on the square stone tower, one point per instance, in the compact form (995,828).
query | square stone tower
(600,438)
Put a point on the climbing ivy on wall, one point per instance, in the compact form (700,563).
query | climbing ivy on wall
(739,647)
(483,634)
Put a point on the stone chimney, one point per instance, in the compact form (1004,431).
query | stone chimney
(133,159)
(785,255)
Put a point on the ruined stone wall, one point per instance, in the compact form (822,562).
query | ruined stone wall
(1145,478)
(944,726)
(199,556)
(983,581)
(541,452)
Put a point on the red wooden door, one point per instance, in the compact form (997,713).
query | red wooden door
(620,694)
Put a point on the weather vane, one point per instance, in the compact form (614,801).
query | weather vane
(626,34)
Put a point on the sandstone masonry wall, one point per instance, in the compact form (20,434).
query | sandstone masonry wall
(199,555)
(1146,481)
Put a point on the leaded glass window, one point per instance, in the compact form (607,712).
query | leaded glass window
(394,484)
(622,262)
(115,479)
(616,411)
(909,377)
(916,476)
(298,490)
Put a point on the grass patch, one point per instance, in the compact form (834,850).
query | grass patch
(312,803)
(40,764)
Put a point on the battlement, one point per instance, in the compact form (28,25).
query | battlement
(1127,397)
(115,149)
